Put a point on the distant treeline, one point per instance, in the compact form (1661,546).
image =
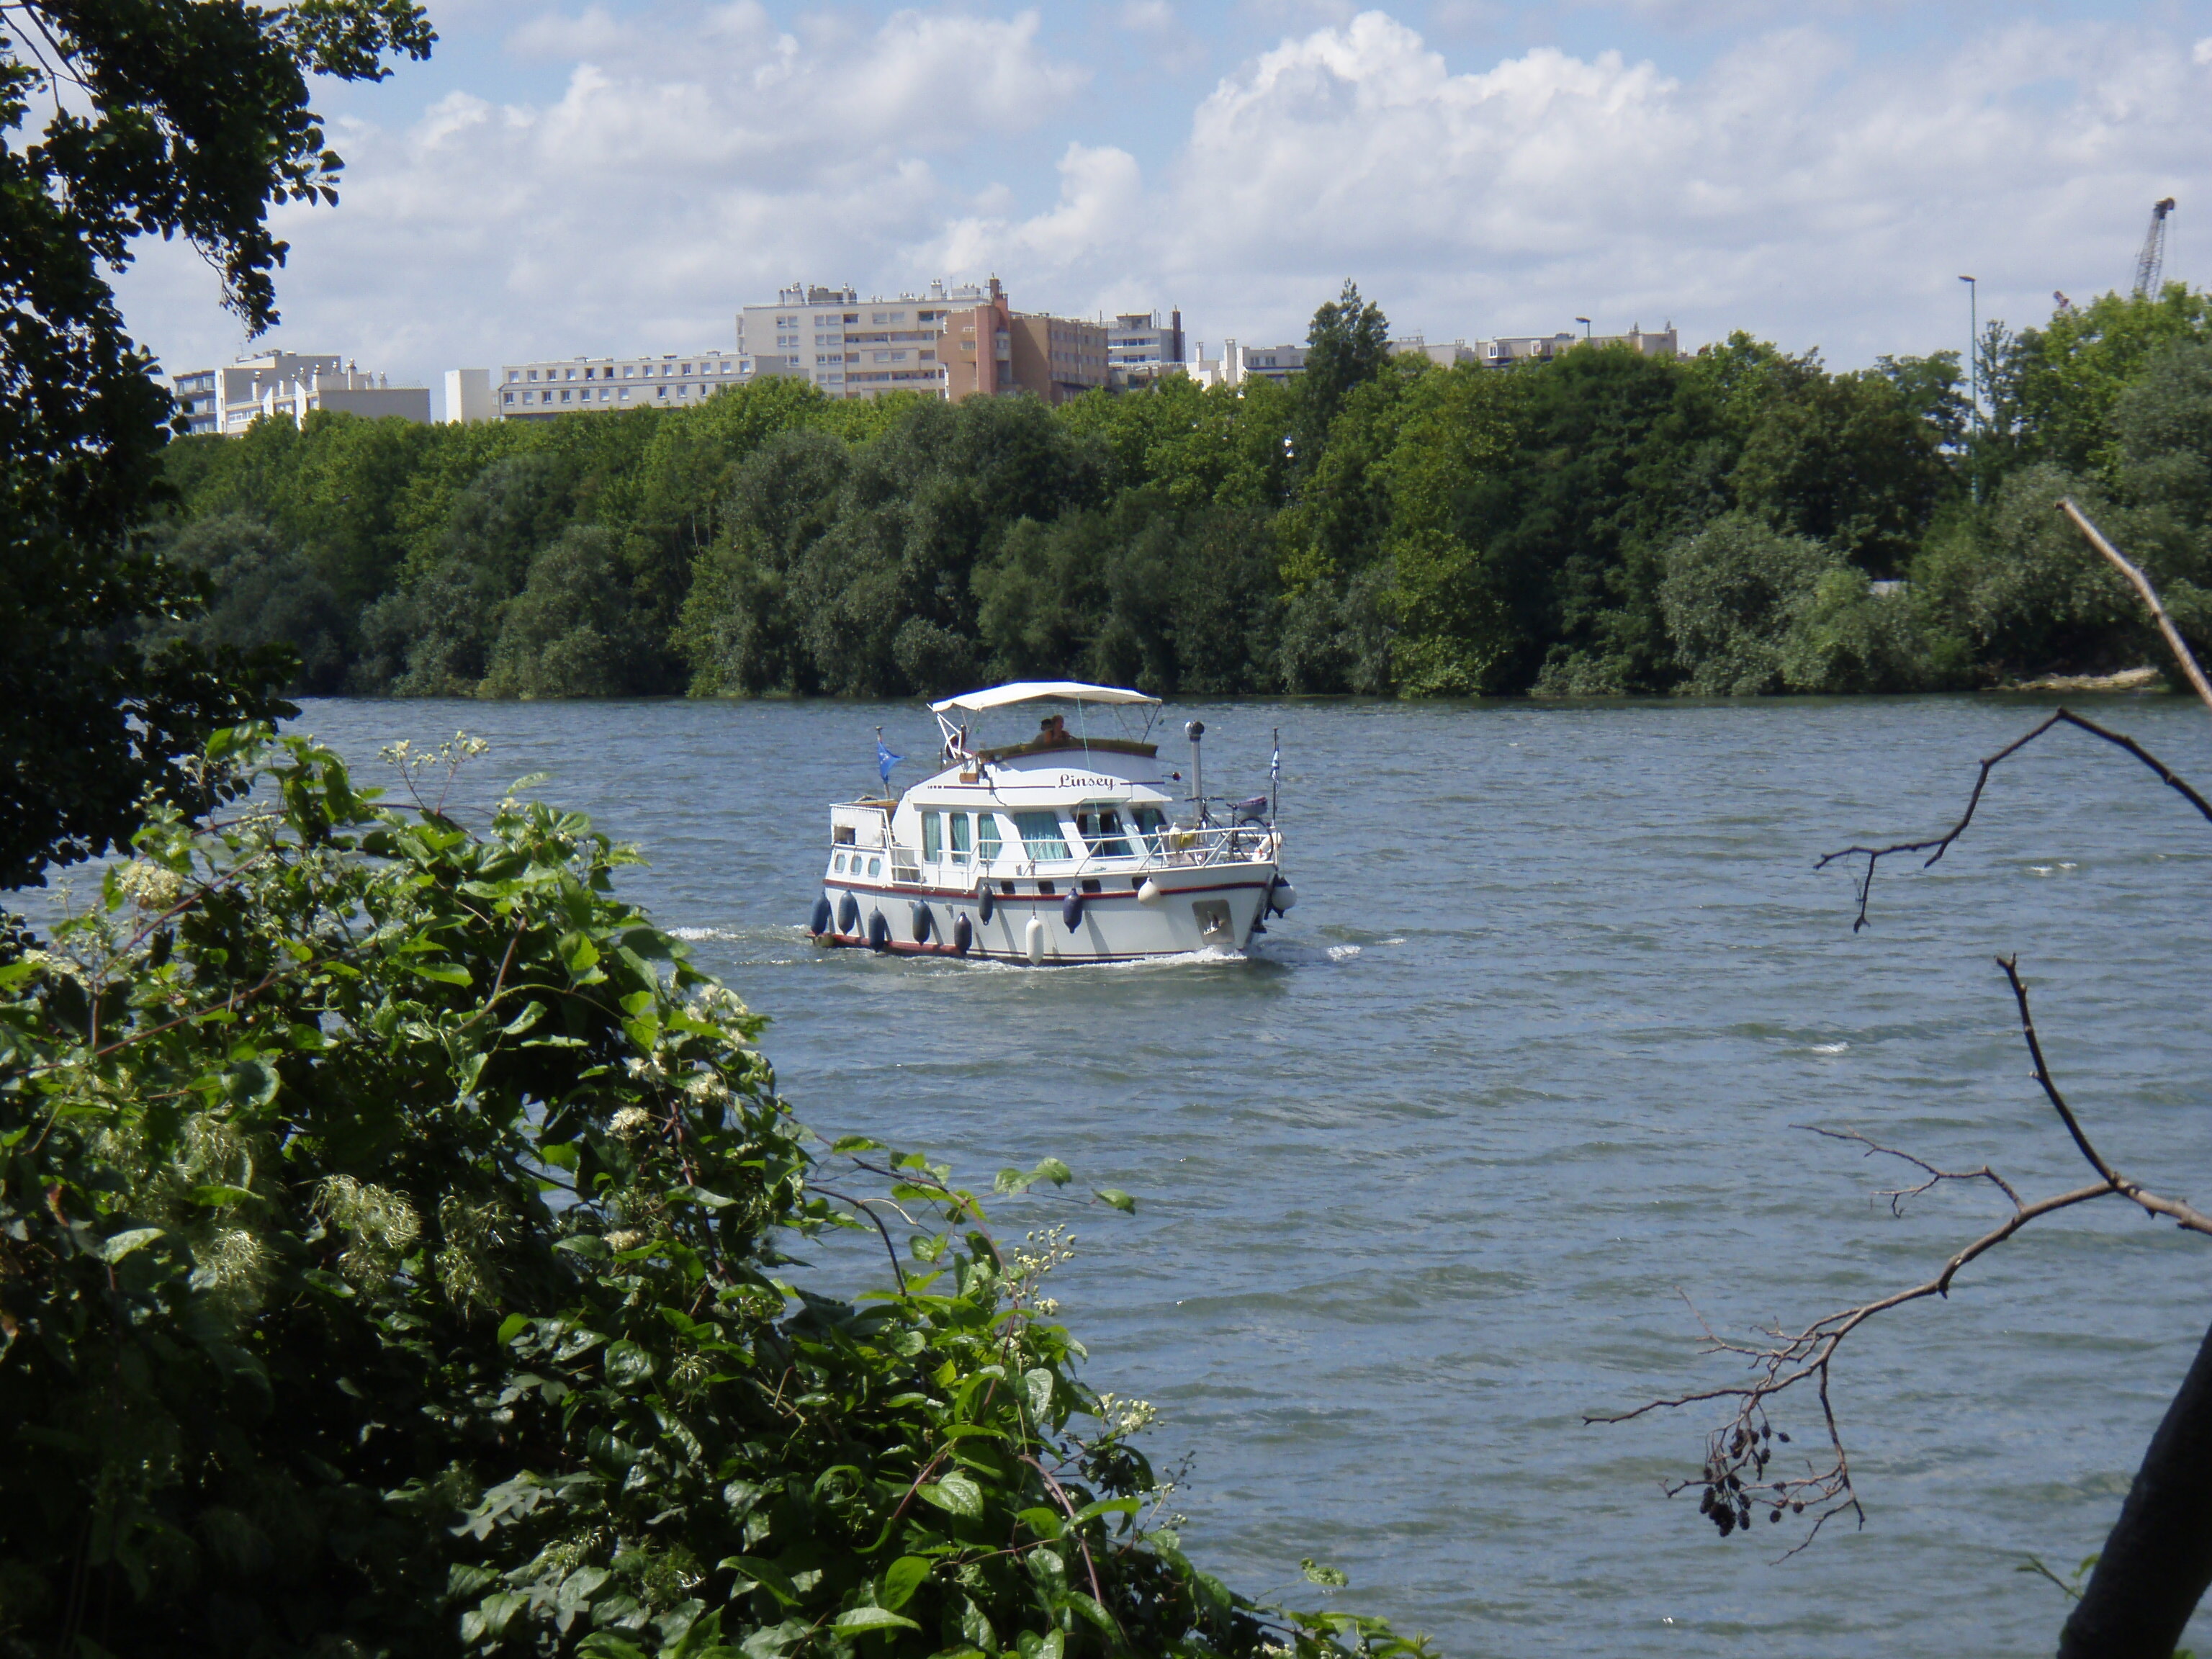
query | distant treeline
(1738,521)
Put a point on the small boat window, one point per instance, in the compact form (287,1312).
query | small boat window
(1041,837)
(959,827)
(986,837)
(930,837)
(843,833)
(1150,821)
(1099,822)
(838,864)
(875,866)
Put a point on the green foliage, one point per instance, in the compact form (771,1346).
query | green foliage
(401,1245)
(2055,387)
(160,117)
(1380,526)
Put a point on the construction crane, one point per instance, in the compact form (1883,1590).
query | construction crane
(2150,263)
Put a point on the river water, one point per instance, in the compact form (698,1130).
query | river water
(1431,1172)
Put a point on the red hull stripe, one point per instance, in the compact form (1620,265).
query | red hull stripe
(1053,899)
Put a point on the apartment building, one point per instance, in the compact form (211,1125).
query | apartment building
(827,336)
(1057,358)
(229,400)
(1507,350)
(468,397)
(579,386)
(197,402)
(950,341)
(1140,349)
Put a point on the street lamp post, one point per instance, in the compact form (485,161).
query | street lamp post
(1585,322)
(1973,366)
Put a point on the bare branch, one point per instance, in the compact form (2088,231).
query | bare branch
(1738,1481)
(2182,1215)
(2175,643)
(1935,847)
(1897,1196)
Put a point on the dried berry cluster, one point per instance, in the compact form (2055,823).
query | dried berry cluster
(1729,1497)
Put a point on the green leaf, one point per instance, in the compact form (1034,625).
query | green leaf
(215,1197)
(627,1365)
(769,1577)
(118,1246)
(445,973)
(901,1578)
(579,952)
(864,1618)
(511,1327)
(1333,1577)
(956,1494)
(1038,1385)
(532,1012)
(1120,1200)
(1053,1170)
(856,1144)
(1110,1506)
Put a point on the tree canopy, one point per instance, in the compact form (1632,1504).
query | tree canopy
(175,117)
(404,1250)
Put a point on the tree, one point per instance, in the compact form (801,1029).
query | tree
(400,1239)
(2157,1561)
(1347,345)
(180,118)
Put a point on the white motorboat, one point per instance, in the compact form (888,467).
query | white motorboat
(1064,847)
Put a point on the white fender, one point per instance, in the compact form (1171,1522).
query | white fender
(1149,894)
(1282,898)
(1034,938)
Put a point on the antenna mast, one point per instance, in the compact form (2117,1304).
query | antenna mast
(2150,263)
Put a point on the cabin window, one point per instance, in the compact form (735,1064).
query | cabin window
(959,829)
(1150,821)
(1099,823)
(1041,837)
(930,837)
(986,837)
(838,864)
(875,866)
(842,834)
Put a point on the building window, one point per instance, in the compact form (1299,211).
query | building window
(625,395)
(533,373)
(660,392)
(687,368)
(509,396)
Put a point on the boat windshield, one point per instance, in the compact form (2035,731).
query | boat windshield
(1099,823)
(1041,837)
(1150,824)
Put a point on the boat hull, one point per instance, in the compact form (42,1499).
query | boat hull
(1202,908)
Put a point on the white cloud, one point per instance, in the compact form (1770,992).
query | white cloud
(1793,187)
(679,165)
(676,170)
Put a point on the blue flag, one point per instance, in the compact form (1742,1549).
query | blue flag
(884,759)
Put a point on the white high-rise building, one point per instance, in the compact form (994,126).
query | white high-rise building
(469,396)
(229,400)
(853,347)
(579,386)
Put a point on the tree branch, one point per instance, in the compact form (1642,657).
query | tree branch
(1941,844)
(2175,643)
(1735,1479)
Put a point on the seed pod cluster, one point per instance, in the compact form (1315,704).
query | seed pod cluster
(1727,1499)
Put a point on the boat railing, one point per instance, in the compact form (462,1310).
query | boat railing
(1165,849)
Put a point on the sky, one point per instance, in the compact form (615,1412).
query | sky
(619,177)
